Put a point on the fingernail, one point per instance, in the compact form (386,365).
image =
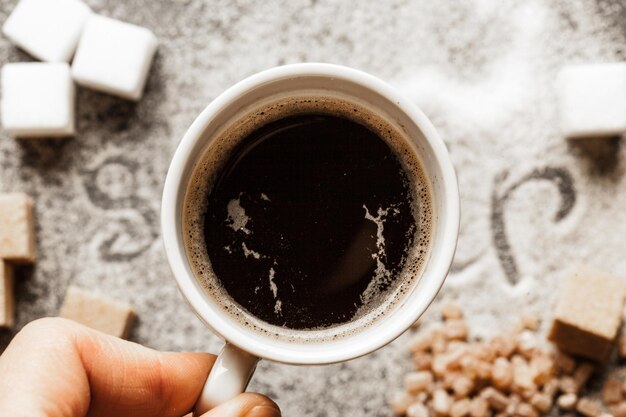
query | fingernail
(263,411)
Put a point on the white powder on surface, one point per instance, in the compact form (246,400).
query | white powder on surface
(516,172)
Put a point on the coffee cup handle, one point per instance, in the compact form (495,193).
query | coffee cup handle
(228,378)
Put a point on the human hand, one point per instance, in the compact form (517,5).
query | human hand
(57,368)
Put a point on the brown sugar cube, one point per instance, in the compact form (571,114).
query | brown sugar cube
(588,314)
(422,361)
(415,382)
(612,391)
(17,228)
(502,373)
(462,386)
(417,410)
(564,362)
(504,346)
(97,312)
(588,407)
(451,311)
(441,402)
(399,401)
(496,399)
(541,402)
(567,402)
(7,300)
(479,407)
(460,408)
(618,410)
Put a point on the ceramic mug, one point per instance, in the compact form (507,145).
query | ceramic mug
(243,347)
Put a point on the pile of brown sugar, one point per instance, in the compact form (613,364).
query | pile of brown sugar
(513,374)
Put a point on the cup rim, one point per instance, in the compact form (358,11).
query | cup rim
(175,251)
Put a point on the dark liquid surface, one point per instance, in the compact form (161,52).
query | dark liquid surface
(309,220)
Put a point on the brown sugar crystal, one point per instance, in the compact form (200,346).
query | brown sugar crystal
(451,311)
(525,410)
(422,360)
(564,362)
(462,386)
(7,301)
(479,407)
(568,385)
(588,407)
(612,391)
(415,382)
(441,402)
(541,402)
(588,314)
(502,373)
(582,374)
(567,401)
(504,346)
(417,410)
(399,402)
(97,312)
(496,399)
(17,228)
(529,321)
(455,329)
(460,408)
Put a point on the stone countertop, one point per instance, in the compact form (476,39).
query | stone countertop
(98,194)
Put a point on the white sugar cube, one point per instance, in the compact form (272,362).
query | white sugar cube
(37,99)
(592,100)
(114,57)
(47,29)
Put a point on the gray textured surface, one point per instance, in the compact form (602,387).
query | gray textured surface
(97,195)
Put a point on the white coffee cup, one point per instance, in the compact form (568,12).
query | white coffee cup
(243,346)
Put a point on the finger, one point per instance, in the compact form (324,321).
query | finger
(57,368)
(246,405)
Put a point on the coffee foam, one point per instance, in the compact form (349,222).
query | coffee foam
(216,154)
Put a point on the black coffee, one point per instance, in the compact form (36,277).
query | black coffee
(310,219)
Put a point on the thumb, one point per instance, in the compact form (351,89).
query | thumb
(246,405)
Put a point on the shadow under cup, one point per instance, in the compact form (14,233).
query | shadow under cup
(343,341)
